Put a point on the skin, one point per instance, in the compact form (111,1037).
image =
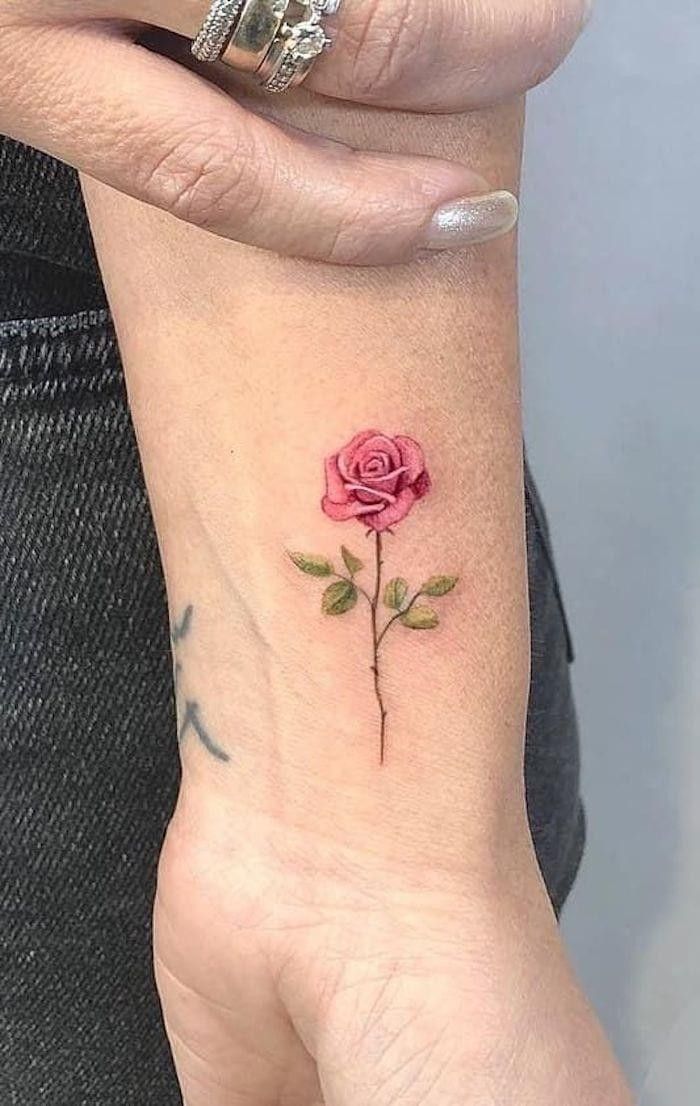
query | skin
(327,930)
(74,81)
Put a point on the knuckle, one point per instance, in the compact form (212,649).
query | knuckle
(544,34)
(344,247)
(347,240)
(373,228)
(203,179)
(382,44)
(493,48)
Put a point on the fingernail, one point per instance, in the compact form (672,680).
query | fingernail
(471,220)
(588,7)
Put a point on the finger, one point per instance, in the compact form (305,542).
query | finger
(150,128)
(427,55)
(424,55)
(446,55)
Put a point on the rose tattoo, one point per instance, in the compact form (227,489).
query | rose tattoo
(375,479)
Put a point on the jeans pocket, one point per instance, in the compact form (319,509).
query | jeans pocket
(58,357)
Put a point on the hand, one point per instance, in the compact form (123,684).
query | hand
(300,974)
(74,82)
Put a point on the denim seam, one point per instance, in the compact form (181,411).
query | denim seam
(536,511)
(82,346)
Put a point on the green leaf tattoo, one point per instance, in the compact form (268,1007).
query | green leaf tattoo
(311,565)
(439,585)
(420,618)
(352,563)
(395,593)
(375,480)
(339,598)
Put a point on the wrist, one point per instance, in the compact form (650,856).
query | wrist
(295,730)
(322,916)
(474,844)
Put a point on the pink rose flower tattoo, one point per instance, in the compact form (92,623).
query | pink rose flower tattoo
(376,480)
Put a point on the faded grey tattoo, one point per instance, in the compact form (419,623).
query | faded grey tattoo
(190,711)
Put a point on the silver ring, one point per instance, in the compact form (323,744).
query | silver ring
(295,50)
(216,30)
(256,30)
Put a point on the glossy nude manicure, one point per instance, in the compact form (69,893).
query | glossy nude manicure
(471,220)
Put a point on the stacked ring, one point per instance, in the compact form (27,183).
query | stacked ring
(256,30)
(217,29)
(257,36)
(294,51)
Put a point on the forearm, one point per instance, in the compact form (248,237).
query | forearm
(245,372)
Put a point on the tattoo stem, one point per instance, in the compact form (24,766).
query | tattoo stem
(397,616)
(353,581)
(376,639)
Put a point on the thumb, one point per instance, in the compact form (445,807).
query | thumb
(148,127)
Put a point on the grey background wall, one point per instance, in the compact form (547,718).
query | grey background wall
(611,331)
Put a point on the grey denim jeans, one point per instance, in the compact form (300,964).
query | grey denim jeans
(88,759)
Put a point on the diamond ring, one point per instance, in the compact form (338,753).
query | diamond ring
(216,30)
(260,36)
(240,32)
(297,47)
